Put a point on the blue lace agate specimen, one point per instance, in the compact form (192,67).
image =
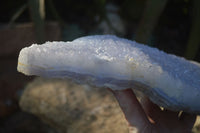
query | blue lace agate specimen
(108,61)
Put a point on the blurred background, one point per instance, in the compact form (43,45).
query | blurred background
(170,25)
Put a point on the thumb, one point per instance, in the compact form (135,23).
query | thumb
(131,108)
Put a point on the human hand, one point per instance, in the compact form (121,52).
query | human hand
(147,117)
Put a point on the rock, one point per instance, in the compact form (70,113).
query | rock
(72,108)
(108,61)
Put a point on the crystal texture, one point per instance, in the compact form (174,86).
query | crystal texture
(108,61)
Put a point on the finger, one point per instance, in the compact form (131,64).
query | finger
(152,110)
(132,109)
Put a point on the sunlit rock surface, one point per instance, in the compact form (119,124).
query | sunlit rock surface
(72,108)
(108,61)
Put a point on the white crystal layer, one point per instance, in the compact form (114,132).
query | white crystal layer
(109,61)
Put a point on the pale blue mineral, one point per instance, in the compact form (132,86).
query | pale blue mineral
(108,61)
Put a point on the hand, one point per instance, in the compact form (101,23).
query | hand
(146,117)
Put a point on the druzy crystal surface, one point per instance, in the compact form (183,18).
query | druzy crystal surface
(108,61)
